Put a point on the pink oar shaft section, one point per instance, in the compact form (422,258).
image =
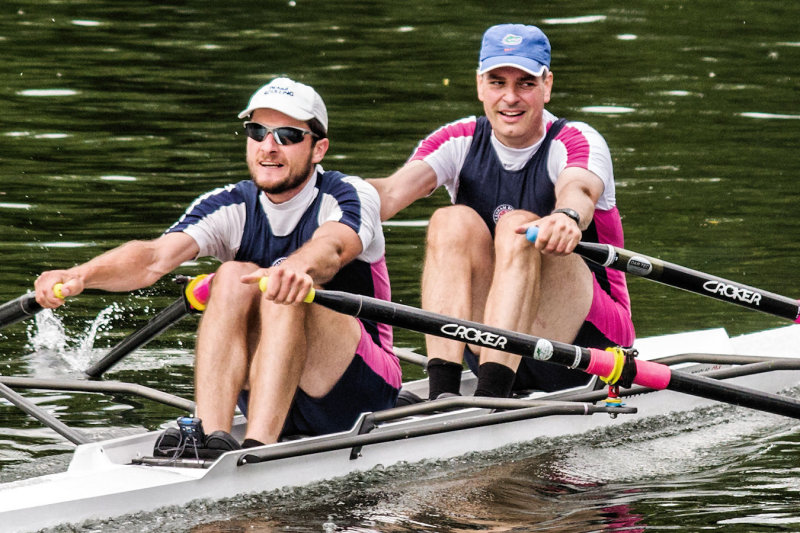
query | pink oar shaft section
(798,314)
(648,374)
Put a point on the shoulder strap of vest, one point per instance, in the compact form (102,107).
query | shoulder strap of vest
(554,130)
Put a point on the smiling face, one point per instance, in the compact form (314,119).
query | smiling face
(281,171)
(513,101)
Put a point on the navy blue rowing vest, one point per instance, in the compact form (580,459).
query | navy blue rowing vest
(261,246)
(489,189)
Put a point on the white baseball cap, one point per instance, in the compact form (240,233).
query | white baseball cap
(291,98)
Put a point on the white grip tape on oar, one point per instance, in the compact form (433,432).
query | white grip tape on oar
(264,281)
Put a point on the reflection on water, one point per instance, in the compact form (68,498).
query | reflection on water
(117,114)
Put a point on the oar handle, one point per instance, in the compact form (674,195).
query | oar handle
(57,291)
(264,281)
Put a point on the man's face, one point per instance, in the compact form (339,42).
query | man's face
(513,101)
(282,170)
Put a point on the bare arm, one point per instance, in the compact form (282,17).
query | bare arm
(131,266)
(578,189)
(331,247)
(411,182)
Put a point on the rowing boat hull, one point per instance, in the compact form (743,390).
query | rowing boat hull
(101,483)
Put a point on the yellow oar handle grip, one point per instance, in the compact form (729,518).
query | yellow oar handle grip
(262,285)
(57,291)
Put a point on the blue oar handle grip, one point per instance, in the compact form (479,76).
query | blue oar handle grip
(531,233)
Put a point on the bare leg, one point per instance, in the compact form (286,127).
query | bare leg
(459,260)
(223,345)
(543,295)
(301,346)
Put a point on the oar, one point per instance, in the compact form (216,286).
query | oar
(685,278)
(18,309)
(194,298)
(23,307)
(609,365)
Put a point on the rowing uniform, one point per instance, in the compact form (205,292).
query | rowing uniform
(480,172)
(239,223)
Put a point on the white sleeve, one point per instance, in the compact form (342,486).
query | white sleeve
(216,222)
(370,230)
(445,150)
(580,145)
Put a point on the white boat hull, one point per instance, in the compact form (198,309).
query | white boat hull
(101,483)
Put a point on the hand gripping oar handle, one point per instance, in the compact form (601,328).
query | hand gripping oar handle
(606,364)
(684,278)
(195,297)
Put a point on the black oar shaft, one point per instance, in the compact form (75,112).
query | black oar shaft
(18,309)
(460,330)
(649,374)
(157,325)
(690,280)
(733,394)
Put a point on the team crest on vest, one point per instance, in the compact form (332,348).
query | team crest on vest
(278,261)
(501,210)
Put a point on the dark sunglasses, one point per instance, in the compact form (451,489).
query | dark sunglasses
(284,135)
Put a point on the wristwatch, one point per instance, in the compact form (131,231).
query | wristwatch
(571,213)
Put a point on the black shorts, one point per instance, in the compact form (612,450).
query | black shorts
(359,390)
(549,377)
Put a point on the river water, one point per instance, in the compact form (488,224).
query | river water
(116,114)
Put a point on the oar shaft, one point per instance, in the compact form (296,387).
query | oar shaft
(157,325)
(602,363)
(18,309)
(591,360)
(195,296)
(733,394)
(690,280)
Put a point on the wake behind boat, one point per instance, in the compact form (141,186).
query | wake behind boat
(119,476)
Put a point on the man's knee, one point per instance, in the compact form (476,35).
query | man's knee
(456,225)
(506,238)
(227,282)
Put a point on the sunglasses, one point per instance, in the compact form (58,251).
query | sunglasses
(284,135)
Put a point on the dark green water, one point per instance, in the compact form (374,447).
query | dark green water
(117,114)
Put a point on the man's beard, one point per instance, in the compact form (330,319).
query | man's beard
(292,181)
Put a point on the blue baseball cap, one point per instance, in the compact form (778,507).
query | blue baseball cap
(515,45)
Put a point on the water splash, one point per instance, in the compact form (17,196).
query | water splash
(48,333)
(48,339)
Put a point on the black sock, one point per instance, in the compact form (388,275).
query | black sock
(495,380)
(443,376)
(251,443)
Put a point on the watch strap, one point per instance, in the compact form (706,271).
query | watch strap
(571,213)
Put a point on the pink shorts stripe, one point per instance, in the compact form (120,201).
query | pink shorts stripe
(382,362)
(612,318)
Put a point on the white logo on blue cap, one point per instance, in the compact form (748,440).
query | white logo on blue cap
(512,40)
